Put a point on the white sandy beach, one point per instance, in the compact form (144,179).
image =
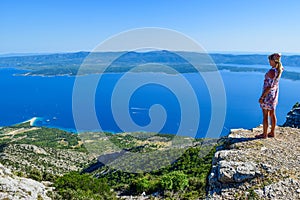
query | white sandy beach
(32,120)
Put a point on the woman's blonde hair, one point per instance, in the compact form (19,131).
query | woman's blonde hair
(276,57)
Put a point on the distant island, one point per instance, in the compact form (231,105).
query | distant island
(70,63)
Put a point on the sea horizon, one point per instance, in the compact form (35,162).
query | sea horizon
(16,54)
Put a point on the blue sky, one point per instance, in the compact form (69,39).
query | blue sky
(35,26)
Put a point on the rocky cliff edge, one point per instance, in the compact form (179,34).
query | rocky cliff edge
(248,168)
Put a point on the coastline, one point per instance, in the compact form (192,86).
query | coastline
(31,121)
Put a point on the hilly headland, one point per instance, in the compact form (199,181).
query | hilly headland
(118,62)
(69,166)
(47,163)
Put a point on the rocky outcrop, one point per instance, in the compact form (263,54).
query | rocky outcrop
(236,172)
(293,117)
(33,148)
(14,187)
(248,168)
(22,157)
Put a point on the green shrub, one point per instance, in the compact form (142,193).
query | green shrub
(175,181)
(145,184)
(82,186)
(297,105)
(35,174)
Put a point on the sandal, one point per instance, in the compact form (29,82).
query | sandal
(261,136)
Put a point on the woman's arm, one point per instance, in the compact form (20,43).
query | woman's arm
(270,74)
(264,94)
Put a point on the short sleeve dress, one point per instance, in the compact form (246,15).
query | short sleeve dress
(271,99)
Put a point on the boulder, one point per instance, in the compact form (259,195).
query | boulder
(236,172)
(293,117)
(14,187)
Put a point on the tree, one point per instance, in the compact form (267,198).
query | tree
(74,185)
(175,181)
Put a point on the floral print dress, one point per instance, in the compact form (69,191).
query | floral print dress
(271,99)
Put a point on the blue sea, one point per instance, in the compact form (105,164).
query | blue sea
(50,99)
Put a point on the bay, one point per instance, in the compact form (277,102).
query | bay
(50,100)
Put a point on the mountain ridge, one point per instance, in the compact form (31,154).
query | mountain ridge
(70,63)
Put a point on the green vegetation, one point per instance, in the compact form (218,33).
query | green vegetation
(176,181)
(164,165)
(82,186)
(297,105)
(22,125)
(40,153)
(43,137)
(184,178)
(70,63)
(285,74)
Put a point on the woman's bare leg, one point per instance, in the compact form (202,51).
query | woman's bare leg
(265,122)
(273,122)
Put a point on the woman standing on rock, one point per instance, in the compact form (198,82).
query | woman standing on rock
(269,97)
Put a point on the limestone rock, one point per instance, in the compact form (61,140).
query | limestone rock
(293,118)
(286,189)
(236,172)
(13,187)
(33,148)
(245,167)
